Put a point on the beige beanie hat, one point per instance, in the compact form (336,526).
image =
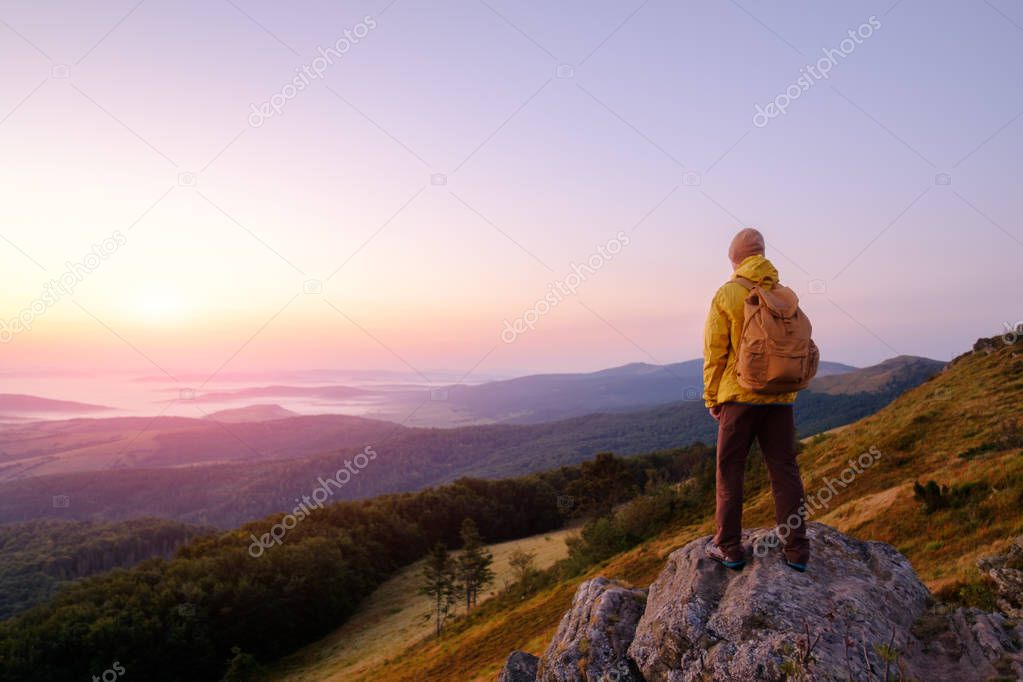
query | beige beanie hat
(746,243)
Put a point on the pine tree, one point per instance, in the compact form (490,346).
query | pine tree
(474,562)
(439,583)
(243,667)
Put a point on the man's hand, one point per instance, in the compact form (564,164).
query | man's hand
(716,412)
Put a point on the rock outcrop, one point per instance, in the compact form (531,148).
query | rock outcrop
(1006,571)
(594,636)
(860,611)
(520,667)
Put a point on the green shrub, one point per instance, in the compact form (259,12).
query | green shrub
(647,514)
(977,450)
(935,497)
(243,667)
(978,593)
(1011,434)
(905,440)
(600,539)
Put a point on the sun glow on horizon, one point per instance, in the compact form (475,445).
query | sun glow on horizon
(159,306)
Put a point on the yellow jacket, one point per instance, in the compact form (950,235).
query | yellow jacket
(722,333)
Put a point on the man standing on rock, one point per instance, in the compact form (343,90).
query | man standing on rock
(757,355)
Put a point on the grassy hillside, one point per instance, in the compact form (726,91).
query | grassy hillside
(891,376)
(395,615)
(476,647)
(962,430)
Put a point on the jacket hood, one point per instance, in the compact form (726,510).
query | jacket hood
(758,270)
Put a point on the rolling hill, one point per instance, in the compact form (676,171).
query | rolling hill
(546,397)
(962,429)
(945,487)
(891,376)
(18,404)
(252,413)
(75,445)
(199,471)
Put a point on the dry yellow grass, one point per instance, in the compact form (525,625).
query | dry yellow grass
(395,616)
(474,650)
(929,433)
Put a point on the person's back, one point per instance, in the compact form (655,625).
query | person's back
(744,414)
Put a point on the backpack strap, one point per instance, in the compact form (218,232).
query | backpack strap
(747,284)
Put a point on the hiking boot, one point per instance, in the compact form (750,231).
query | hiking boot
(799,566)
(717,554)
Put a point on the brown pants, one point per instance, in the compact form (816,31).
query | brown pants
(774,429)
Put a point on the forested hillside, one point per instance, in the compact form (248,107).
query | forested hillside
(180,619)
(39,556)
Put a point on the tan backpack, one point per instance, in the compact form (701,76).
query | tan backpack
(776,353)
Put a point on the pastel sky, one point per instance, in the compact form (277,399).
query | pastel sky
(460,157)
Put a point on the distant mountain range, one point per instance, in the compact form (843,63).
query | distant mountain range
(545,397)
(17,404)
(251,413)
(530,399)
(322,392)
(226,471)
